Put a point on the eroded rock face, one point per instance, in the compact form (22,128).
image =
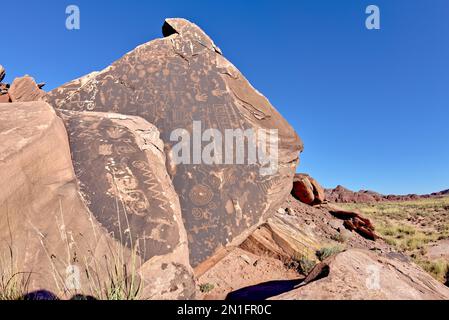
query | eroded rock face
(172,82)
(371,276)
(281,238)
(60,236)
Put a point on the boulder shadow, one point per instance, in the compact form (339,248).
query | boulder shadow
(263,291)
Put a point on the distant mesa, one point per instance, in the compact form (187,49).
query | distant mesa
(341,194)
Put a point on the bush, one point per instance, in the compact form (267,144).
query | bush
(327,252)
(305,265)
(206,287)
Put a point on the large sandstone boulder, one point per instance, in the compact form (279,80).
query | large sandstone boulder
(74,231)
(359,274)
(183,82)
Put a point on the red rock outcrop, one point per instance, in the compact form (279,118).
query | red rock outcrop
(307,190)
(354,221)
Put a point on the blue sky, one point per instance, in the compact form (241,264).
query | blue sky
(372,106)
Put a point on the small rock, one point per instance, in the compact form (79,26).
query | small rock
(335,224)
(281,211)
(246,258)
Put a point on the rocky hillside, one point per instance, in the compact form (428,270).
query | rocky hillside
(342,195)
(95,202)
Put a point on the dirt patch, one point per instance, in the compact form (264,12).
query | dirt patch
(241,269)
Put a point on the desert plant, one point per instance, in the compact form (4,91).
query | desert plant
(338,237)
(206,287)
(13,283)
(327,252)
(305,265)
(439,269)
(411,226)
(120,265)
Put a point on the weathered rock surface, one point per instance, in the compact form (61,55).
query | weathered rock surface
(353,221)
(283,238)
(307,190)
(5,98)
(365,275)
(25,89)
(172,82)
(60,236)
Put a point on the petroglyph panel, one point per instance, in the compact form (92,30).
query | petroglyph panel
(116,166)
(172,82)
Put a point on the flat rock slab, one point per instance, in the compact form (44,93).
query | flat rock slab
(172,82)
(57,236)
(438,250)
(365,275)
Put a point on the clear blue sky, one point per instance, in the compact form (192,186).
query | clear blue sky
(371,106)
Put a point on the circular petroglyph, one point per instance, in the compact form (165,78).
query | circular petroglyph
(197,213)
(141,165)
(200,195)
(215,181)
(139,204)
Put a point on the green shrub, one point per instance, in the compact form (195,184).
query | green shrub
(305,265)
(206,287)
(327,252)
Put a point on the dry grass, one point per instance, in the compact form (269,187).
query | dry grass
(120,266)
(13,282)
(411,226)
